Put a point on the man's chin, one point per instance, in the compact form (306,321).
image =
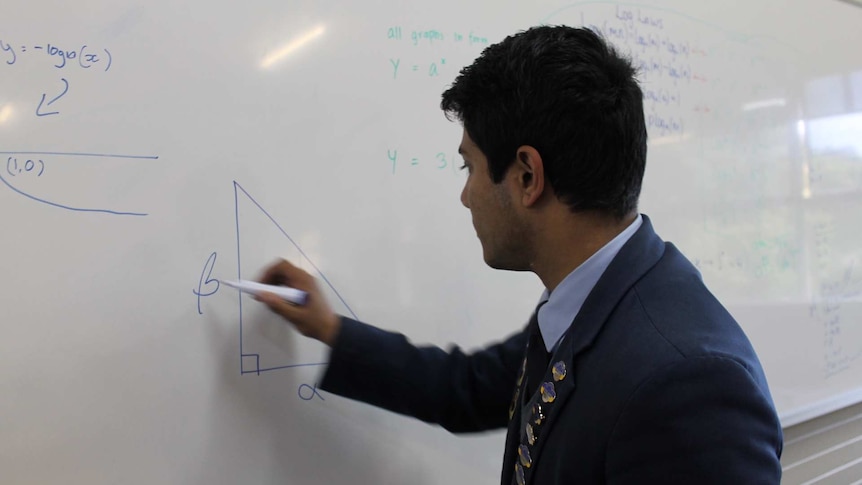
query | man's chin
(496,263)
(492,262)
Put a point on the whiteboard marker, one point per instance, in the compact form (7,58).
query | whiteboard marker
(292,295)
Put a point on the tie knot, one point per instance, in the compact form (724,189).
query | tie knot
(537,354)
(534,329)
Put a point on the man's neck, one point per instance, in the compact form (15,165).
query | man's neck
(568,240)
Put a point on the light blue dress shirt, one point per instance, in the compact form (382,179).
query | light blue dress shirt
(564,303)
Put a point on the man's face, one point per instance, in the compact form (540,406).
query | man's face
(493,209)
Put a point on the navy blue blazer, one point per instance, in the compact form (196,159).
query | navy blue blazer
(661,385)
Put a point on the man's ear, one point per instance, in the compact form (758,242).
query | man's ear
(530,172)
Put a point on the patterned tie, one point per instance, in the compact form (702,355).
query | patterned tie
(537,356)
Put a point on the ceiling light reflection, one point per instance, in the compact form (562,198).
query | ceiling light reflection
(766,103)
(281,53)
(6,113)
(668,140)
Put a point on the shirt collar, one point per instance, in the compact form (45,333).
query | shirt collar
(568,297)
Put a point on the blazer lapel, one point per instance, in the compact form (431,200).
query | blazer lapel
(642,251)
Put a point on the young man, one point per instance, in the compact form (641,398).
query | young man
(630,371)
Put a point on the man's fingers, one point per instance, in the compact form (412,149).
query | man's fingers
(279,305)
(275,273)
(315,318)
(282,272)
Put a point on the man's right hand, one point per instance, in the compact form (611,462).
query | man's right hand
(315,319)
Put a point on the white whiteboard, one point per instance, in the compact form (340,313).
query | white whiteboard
(151,147)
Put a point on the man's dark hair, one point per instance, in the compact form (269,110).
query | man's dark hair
(568,94)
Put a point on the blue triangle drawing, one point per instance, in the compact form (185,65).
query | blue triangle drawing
(250,362)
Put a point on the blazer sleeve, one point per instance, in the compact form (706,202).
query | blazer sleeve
(461,392)
(703,420)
